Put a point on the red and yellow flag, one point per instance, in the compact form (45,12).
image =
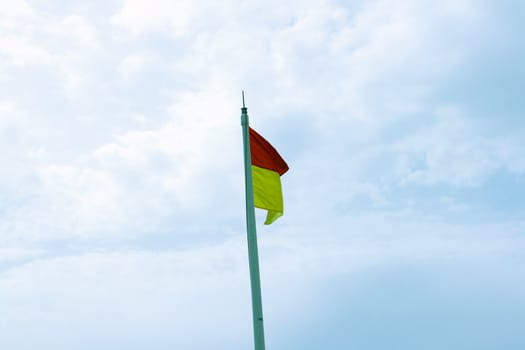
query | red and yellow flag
(267,168)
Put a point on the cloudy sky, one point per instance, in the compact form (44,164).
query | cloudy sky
(121,191)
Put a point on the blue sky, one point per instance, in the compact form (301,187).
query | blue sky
(121,190)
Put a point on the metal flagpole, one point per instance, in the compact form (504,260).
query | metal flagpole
(253,255)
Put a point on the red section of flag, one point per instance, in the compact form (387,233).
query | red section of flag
(264,155)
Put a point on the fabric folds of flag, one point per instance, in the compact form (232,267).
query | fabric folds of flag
(267,168)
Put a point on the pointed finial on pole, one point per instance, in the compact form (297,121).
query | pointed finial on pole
(244,109)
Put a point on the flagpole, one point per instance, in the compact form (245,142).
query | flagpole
(253,255)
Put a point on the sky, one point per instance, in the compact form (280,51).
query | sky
(122,222)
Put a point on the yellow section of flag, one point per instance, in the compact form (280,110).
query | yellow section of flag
(267,192)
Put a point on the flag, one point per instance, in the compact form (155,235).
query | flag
(267,168)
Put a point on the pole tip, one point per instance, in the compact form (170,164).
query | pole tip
(243,109)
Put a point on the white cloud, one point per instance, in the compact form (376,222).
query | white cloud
(321,64)
(452,150)
(9,113)
(64,202)
(140,179)
(132,64)
(22,52)
(78,29)
(138,15)
(15,8)
(90,193)
(151,295)
(10,254)
(187,155)
(115,140)
(173,295)
(30,44)
(38,153)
